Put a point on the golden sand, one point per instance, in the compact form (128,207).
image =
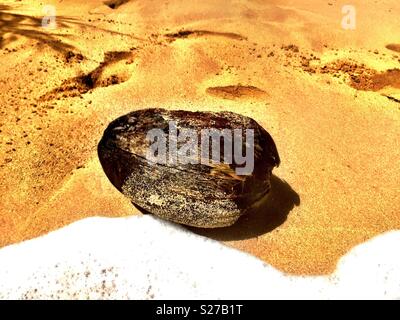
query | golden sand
(325,94)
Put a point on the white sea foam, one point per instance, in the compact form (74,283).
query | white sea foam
(142,257)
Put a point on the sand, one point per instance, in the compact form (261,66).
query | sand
(325,94)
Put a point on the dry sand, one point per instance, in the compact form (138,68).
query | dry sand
(329,97)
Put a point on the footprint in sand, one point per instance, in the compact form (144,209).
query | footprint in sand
(111,71)
(115,4)
(379,81)
(361,77)
(236,92)
(184,34)
(393,47)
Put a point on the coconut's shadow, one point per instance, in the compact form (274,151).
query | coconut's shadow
(270,214)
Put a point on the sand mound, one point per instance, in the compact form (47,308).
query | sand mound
(101,77)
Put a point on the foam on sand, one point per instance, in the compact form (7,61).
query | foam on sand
(142,257)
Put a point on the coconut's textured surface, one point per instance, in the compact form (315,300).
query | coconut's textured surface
(201,195)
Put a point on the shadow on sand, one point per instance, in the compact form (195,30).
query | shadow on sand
(27,26)
(268,215)
(20,25)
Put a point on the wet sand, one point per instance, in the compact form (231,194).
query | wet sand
(90,259)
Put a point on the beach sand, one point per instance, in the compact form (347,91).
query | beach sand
(329,97)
